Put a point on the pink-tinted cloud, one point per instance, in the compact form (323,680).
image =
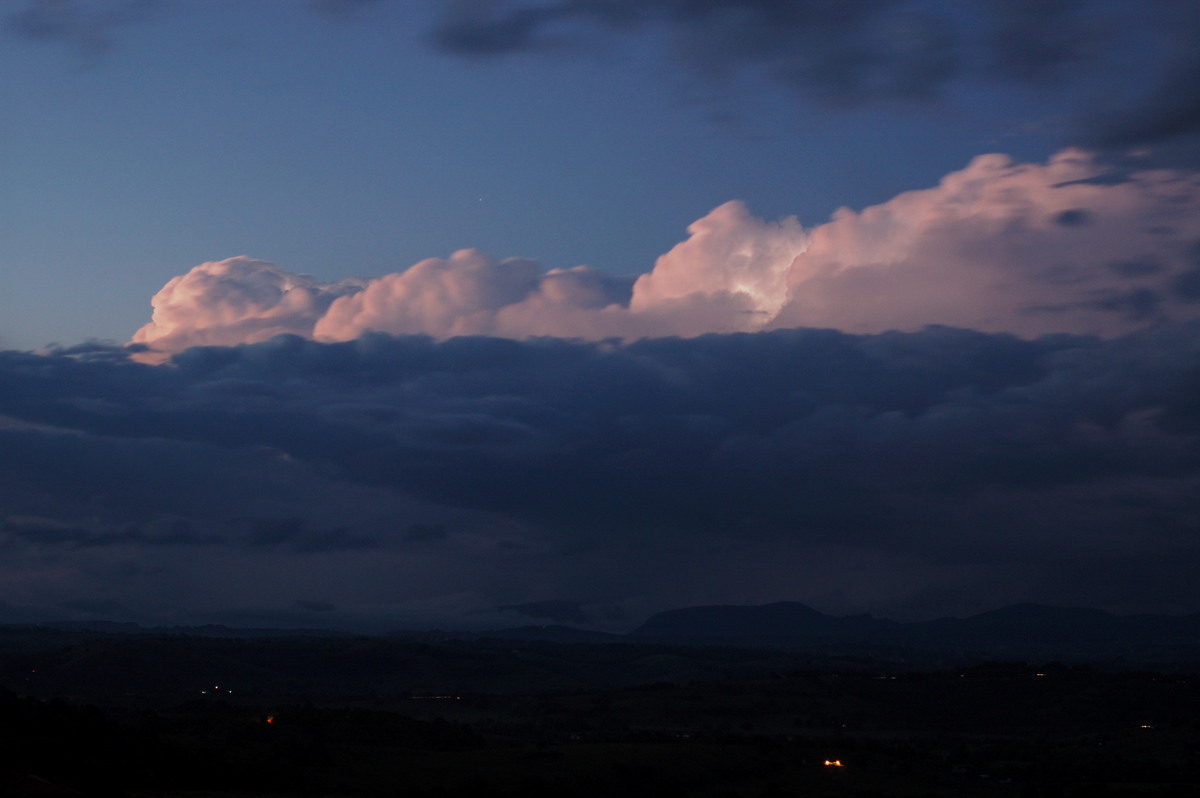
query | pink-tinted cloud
(1003,246)
(997,246)
(235,301)
(468,293)
(727,252)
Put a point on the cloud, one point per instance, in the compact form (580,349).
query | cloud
(86,26)
(1000,246)
(94,607)
(1125,72)
(294,533)
(729,254)
(729,275)
(422,533)
(1011,247)
(1122,74)
(840,54)
(313,606)
(456,296)
(403,476)
(237,300)
(558,611)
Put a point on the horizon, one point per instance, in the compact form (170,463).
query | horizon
(379,627)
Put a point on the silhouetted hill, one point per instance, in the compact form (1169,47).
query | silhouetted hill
(786,622)
(552,633)
(132,666)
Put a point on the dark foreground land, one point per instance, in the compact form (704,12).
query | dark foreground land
(183,715)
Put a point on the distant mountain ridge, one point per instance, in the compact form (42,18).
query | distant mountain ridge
(783,621)
(1020,630)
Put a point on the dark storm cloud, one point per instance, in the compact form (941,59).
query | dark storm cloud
(841,53)
(851,54)
(1139,267)
(45,533)
(597,464)
(287,534)
(558,611)
(1038,40)
(1171,110)
(313,606)
(89,28)
(296,535)
(424,533)
(1186,285)
(94,607)
(715,432)
(1140,304)
(1075,217)
(1125,73)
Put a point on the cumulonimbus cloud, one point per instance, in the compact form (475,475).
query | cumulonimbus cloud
(235,301)
(1007,247)
(998,246)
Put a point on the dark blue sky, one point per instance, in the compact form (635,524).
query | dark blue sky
(677,262)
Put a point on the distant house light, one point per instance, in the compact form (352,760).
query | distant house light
(834,763)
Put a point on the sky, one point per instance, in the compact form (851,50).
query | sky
(378,314)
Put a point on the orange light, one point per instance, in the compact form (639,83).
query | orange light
(833,763)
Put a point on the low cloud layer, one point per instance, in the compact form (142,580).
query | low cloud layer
(467,480)
(1030,249)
